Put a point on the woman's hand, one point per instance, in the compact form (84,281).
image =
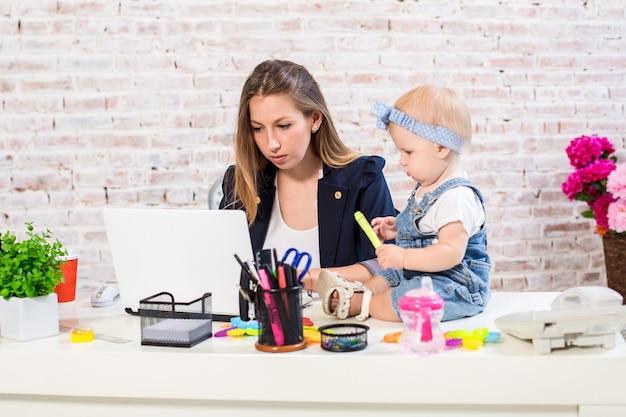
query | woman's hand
(385,227)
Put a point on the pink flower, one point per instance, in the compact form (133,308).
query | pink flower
(600,210)
(616,182)
(617,216)
(586,149)
(597,171)
(598,181)
(573,185)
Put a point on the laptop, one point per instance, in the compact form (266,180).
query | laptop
(186,252)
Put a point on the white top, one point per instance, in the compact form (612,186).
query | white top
(283,237)
(459,203)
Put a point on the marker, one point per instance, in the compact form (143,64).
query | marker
(272,310)
(369,232)
(282,279)
(282,284)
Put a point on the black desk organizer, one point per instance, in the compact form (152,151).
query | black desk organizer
(165,322)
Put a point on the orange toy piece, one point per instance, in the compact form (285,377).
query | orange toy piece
(392,337)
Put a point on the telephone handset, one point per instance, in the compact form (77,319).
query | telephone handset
(579,316)
(586,297)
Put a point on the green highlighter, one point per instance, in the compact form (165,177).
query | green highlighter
(369,232)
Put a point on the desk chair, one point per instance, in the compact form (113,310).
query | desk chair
(215,193)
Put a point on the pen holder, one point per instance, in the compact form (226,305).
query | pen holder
(279,312)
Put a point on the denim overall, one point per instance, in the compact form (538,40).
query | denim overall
(464,288)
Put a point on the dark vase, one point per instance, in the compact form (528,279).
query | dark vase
(615,261)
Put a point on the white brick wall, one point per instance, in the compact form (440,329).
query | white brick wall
(133,103)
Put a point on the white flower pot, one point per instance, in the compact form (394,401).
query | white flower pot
(29,318)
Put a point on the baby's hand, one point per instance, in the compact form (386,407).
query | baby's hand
(390,256)
(385,227)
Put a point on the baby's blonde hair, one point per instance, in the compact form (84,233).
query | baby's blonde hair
(437,105)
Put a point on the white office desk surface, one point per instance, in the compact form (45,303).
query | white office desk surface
(229,377)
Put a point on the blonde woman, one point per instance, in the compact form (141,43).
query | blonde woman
(298,183)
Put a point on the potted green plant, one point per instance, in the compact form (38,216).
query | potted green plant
(30,270)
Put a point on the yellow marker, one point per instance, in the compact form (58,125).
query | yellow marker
(369,232)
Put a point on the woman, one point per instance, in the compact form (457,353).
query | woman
(298,183)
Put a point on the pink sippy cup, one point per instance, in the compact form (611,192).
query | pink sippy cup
(421,311)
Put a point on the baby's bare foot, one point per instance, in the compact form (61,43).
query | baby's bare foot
(355,303)
(334,301)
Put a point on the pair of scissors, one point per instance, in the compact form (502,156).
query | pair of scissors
(297,258)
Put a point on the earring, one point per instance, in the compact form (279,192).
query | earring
(314,130)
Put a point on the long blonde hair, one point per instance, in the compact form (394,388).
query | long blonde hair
(295,82)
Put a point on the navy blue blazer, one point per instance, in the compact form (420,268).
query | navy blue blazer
(359,186)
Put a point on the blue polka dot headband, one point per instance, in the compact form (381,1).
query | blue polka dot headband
(438,134)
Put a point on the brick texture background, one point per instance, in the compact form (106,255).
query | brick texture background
(132,103)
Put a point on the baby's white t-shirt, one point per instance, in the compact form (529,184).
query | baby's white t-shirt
(456,204)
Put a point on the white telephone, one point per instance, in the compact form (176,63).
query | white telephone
(580,316)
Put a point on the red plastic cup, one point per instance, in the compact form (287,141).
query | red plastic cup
(66,291)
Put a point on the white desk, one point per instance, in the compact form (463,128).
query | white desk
(229,377)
